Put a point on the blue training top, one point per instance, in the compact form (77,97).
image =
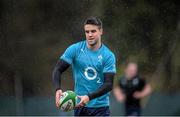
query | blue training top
(88,67)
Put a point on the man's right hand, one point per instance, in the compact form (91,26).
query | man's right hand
(58,95)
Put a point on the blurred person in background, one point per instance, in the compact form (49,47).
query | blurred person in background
(131,88)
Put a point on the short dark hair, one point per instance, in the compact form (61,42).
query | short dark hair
(94,21)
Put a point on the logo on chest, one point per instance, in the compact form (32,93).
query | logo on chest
(100,58)
(90,73)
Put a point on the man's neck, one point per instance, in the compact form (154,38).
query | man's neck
(130,78)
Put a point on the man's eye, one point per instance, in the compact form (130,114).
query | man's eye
(93,31)
(87,31)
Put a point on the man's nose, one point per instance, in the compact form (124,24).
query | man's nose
(90,34)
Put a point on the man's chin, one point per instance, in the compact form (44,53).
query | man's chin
(91,43)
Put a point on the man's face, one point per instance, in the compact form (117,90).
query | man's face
(93,34)
(131,71)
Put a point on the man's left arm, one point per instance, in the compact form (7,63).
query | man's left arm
(105,88)
(145,92)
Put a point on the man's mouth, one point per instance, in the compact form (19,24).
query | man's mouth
(91,39)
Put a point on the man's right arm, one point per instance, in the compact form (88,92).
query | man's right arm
(119,91)
(120,96)
(60,67)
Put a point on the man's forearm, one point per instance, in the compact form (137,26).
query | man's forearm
(60,67)
(105,88)
(146,91)
(120,96)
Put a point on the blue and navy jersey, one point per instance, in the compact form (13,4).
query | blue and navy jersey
(88,67)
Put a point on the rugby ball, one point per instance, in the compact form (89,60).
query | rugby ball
(68,101)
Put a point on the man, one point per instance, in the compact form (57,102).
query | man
(93,66)
(131,88)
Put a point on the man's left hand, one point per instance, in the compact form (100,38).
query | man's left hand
(83,100)
(137,95)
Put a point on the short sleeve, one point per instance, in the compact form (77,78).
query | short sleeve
(122,82)
(69,54)
(110,64)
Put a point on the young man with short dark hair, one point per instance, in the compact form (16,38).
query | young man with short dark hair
(93,66)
